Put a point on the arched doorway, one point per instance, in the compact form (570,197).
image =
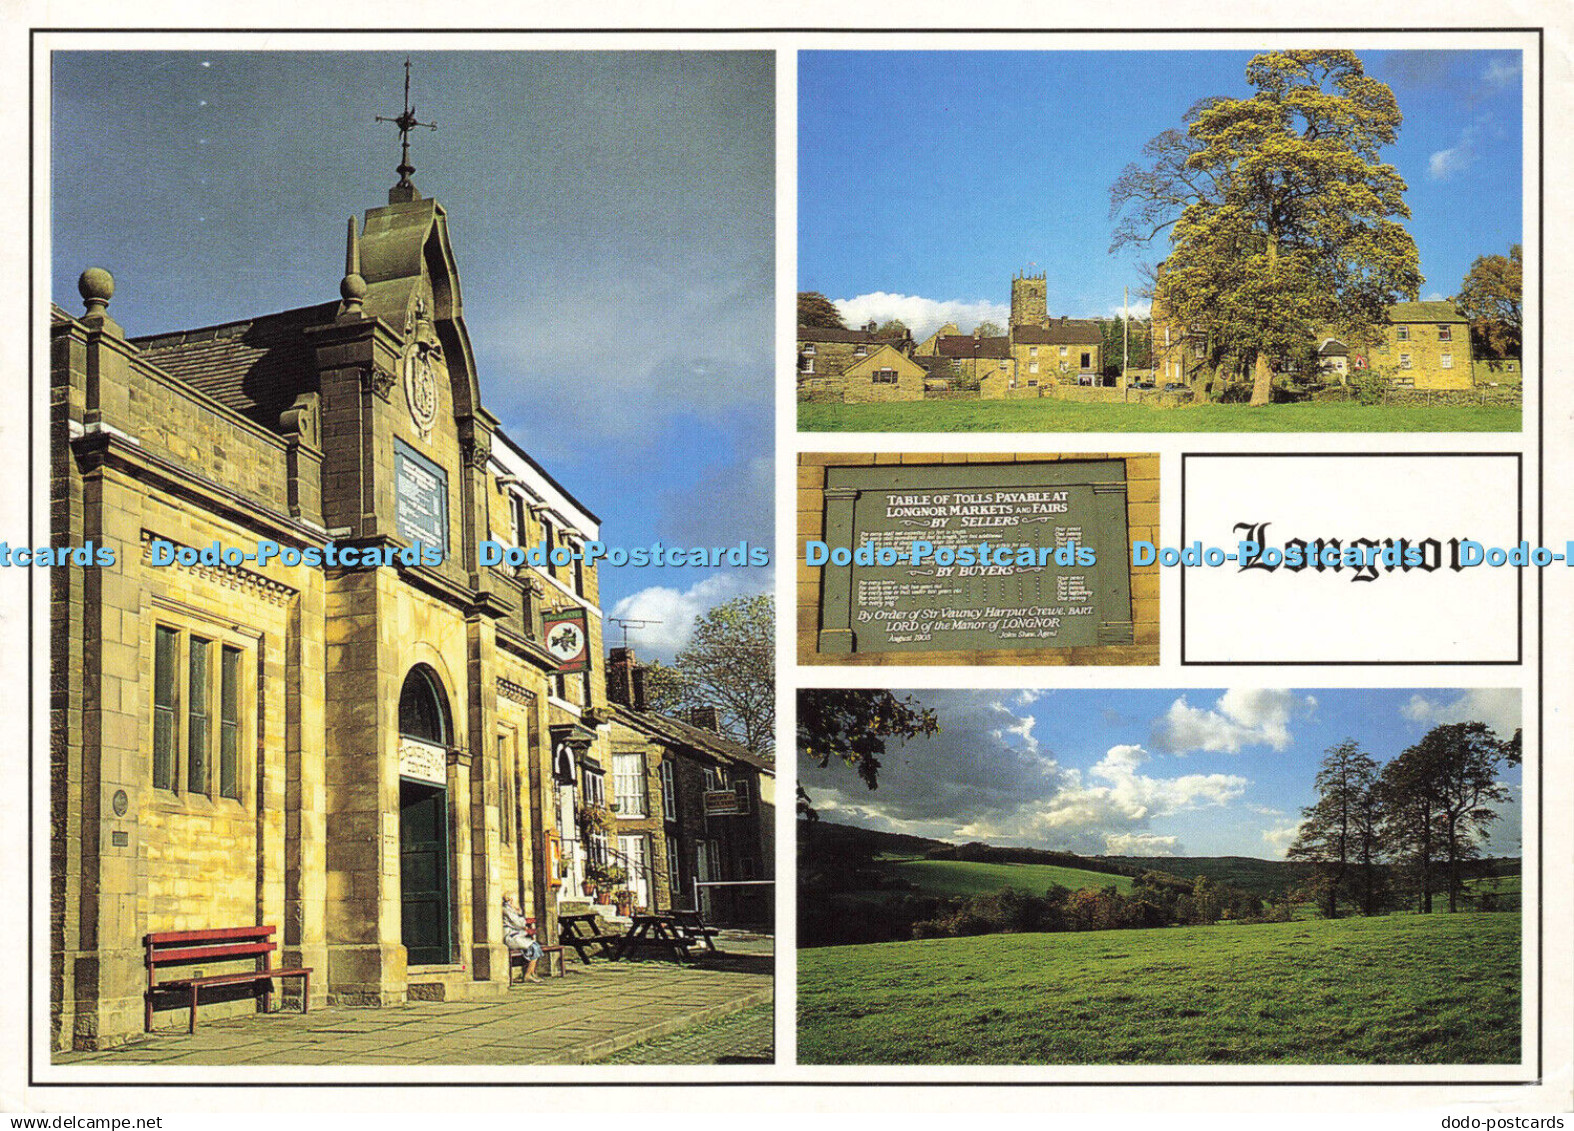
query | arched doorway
(425,734)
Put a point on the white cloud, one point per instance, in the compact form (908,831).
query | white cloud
(923,316)
(1112,804)
(677,609)
(1028,696)
(1498,707)
(1139,308)
(1501,72)
(1446,163)
(1240,718)
(1281,837)
(1140,844)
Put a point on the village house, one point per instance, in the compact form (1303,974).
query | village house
(1425,345)
(826,353)
(1037,352)
(693,806)
(365,757)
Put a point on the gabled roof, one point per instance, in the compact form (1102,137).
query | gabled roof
(256,367)
(883,357)
(1425,312)
(965,345)
(1059,332)
(665,728)
(1333,347)
(830,334)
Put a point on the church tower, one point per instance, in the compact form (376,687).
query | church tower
(1029,300)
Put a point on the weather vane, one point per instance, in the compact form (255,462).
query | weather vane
(406,122)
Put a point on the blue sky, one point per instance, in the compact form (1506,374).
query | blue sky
(612,216)
(1199,772)
(935,175)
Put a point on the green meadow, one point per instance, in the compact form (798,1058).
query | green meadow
(966,877)
(1399,989)
(1046,415)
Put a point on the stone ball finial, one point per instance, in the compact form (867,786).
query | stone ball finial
(352,289)
(97,287)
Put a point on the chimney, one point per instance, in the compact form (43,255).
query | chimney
(621,674)
(705,718)
(639,688)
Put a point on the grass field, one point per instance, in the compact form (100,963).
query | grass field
(1402,989)
(1046,415)
(965,877)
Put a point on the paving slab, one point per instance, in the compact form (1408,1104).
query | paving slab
(593,1013)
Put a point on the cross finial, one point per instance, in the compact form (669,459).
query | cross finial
(406,122)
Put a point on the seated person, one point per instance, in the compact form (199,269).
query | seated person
(519,934)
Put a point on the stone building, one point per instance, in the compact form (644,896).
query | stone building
(1426,345)
(367,756)
(885,374)
(826,353)
(693,805)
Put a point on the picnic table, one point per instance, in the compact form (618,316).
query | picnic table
(583,932)
(676,932)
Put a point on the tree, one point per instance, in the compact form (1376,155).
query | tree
(988,329)
(729,664)
(1281,218)
(895,328)
(1490,297)
(1330,835)
(1462,760)
(1409,821)
(814,309)
(852,727)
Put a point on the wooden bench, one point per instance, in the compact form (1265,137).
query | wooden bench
(223,944)
(517,958)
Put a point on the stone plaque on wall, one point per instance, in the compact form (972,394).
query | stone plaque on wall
(422,498)
(998,514)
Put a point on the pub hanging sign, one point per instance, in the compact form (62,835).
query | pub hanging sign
(568,642)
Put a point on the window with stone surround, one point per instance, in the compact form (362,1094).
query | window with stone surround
(1446,361)
(884,377)
(628,785)
(1404,361)
(1402,333)
(200,713)
(669,794)
(1445,332)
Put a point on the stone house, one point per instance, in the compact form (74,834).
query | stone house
(1064,349)
(825,353)
(885,374)
(693,805)
(1180,352)
(1427,345)
(984,361)
(366,756)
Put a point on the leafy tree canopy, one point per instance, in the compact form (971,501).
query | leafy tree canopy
(814,309)
(988,329)
(1281,218)
(1490,297)
(852,726)
(729,664)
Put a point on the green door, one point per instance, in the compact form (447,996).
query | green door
(423,872)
